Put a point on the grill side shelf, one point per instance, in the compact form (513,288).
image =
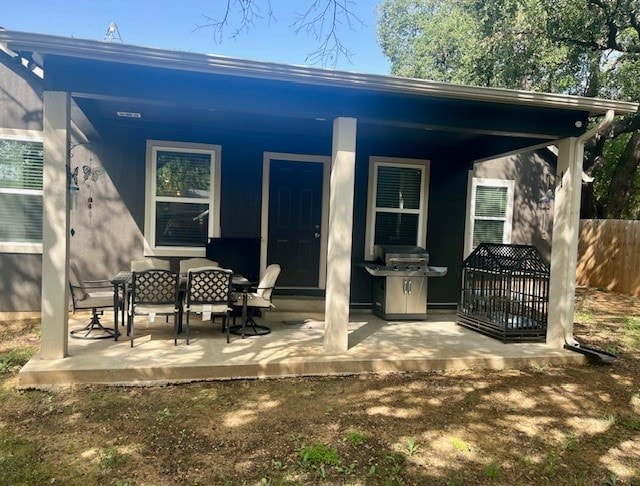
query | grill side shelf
(385,271)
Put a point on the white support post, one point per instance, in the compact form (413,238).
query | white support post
(55,226)
(564,247)
(336,337)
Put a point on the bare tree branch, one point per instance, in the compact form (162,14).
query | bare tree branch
(595,145)
(249,12)
(614,21)
(323,19)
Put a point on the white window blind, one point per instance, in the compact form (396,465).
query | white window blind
(492,209)
(397,202)
(398,196)
(21,191)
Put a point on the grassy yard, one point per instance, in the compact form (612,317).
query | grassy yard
(569,425)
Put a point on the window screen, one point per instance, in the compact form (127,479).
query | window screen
(182,196)
(179,224)
(183,175)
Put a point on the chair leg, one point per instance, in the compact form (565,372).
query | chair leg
(250,327)
(187,324)
(175,327)
(225,324)
(94,325)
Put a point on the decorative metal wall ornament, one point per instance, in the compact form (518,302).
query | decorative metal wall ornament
(72,177)
(90,172)
(73,186)
(90,176)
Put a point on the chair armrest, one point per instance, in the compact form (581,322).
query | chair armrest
(96,284)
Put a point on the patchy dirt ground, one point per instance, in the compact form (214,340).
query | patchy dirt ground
(569,425)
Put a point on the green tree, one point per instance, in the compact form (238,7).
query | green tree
(179,176)
(429,39)
(582,47)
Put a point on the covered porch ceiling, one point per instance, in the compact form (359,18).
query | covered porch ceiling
(120,88)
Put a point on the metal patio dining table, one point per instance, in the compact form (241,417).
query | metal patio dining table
(122,281)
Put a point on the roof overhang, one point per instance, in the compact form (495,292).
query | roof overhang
(187,90)
(207,63)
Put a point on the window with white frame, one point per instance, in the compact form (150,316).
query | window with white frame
(398,196)
(490,212)
(21,161)
(183,197)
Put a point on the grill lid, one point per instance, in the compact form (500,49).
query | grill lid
(395,254)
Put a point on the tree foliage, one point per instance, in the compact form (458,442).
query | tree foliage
(581,47)
(179,176)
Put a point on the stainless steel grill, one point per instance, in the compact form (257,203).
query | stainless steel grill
(400,281)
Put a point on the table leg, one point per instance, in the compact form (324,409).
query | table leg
(116,308)
(124,302)
(244,310)
(247,320)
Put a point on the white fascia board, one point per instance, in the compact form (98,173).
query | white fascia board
(189,61)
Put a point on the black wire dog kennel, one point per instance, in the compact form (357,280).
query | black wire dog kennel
(505,292)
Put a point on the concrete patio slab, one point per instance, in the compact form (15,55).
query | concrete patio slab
(295,347)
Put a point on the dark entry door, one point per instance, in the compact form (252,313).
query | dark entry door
(295,213)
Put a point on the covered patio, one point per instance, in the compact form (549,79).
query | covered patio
(122,104)
(294,348)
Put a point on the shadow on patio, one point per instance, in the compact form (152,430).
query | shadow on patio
(295,347)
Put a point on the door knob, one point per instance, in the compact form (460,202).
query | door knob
(316,235)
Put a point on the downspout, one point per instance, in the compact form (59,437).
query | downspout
(604,123)
(570,341)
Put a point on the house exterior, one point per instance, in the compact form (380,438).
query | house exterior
(520,185)
(151,152)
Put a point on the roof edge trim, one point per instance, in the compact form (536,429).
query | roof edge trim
(208,63)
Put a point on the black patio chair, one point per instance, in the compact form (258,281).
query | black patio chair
(208,293)
(154,292)
(95,295)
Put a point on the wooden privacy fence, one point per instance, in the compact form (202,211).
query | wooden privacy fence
(609,255)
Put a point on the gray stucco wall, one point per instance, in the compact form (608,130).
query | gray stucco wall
(20,285)
(531,172)
(20,108)
(108,233)
(20,98)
